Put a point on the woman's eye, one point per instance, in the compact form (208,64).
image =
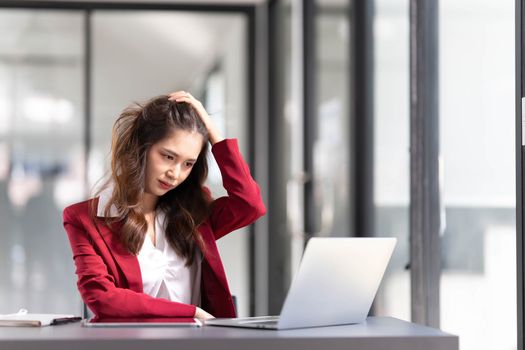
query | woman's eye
(168,157)
(189,165)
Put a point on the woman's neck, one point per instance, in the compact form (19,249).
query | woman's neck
(149,203)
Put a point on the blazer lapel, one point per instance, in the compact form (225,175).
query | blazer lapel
(212,256)
(129,264)
(126,261)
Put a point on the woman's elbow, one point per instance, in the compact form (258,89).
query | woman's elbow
(259,210)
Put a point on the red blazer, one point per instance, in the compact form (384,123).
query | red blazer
(109,277)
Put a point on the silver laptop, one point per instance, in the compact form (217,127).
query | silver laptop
(336,284)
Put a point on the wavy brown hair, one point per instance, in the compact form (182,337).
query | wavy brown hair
(186,206)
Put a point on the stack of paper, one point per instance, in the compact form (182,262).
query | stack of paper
(23,318)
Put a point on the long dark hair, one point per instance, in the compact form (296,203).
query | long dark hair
(187,206)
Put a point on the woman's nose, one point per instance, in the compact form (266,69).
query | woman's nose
(173,173)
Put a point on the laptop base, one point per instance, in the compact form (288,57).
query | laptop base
(263,322)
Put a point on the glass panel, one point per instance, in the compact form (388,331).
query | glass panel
(331,146)
(391,150)
(142,54)
(288,68)
(478,287)
(286,184)
(41,156)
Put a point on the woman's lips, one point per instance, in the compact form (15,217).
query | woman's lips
(164,185)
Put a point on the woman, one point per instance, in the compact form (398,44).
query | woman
(145,246)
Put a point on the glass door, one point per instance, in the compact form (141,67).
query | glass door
(477,84)
(137,55)
(42,152)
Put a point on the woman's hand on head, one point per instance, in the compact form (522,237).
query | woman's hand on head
(202,315)
(183,96)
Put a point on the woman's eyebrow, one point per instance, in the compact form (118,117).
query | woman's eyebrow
(175,154)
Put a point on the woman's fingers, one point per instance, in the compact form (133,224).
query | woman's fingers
(178,94)
(183,96)
(201,314)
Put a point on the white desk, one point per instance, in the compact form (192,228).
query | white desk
(378,333)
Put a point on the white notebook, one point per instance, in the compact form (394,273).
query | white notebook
(24,319)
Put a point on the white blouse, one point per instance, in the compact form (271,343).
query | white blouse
(164,274)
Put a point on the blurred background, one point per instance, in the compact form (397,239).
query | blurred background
(68,70)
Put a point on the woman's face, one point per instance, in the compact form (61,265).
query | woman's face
(169,161)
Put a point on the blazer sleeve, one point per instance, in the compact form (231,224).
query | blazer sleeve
(97,286)
(243,204)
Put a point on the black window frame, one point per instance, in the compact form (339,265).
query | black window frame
(256,118)
(520,160)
